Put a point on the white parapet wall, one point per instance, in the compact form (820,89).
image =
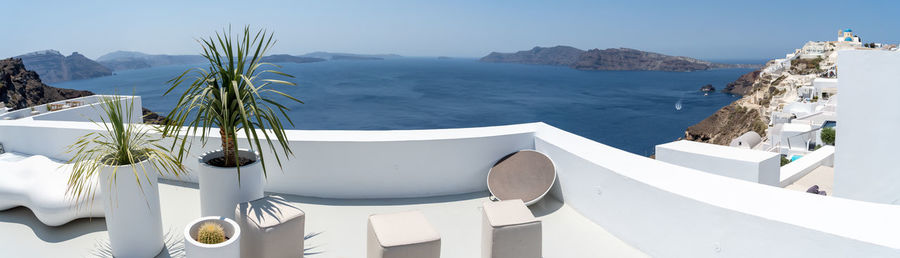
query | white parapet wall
(86,111)
(867,141)
(799,168)
(745,164)
(660,208)
(672,211)
(336,164)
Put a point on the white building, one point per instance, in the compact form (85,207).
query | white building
(846,35)
(740,163)
(791,138)
(826,87)
(865,165)
(813,49)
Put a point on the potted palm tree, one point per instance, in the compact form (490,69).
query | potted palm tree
(233,96)
(125,161)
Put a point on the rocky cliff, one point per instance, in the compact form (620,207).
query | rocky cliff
(743,84)
(606,59)
(726,124)
(55,67)
(21,88)
(737,118)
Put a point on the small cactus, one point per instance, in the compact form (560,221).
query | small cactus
(211,233)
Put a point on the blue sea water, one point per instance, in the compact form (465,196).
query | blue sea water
(630,110)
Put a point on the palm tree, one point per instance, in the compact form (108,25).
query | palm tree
(231,95)
(234,94)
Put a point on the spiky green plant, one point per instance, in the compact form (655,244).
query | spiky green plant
(233,96)
(210,233)
(121,142)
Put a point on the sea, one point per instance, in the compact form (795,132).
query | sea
(629,110)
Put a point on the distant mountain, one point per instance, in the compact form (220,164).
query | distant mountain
(558,55)
(290,59)
(632,59)
(607,59)
(126,60)
(55,67)
(342,57)
(346,56)
(21,88)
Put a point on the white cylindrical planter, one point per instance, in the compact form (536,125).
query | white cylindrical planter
(131,208)
(231,248)
(220,190)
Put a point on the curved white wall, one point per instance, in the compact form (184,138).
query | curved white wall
(338,164)
(670,211)
(662,209)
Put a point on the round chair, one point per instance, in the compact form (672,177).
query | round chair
(527,175)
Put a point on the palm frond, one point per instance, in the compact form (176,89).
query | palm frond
(121,142)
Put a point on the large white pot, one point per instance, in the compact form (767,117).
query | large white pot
(220,190)
(231,248)
(133,218)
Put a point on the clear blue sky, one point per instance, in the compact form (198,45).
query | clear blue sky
(702,29)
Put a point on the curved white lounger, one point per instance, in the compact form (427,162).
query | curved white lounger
(39,183)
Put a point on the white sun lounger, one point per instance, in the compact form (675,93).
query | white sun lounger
(39,184)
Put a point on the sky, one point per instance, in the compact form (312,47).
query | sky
(713,30)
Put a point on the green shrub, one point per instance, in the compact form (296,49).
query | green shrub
(784,160)
(828,134)
(211,233)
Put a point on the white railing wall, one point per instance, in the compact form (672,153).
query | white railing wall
(86,112)
(670,211)
(336,164)
(662,209)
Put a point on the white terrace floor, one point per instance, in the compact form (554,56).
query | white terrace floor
(340,226)
(823,176)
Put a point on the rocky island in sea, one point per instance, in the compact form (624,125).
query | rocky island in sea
(614,59)
(55,67)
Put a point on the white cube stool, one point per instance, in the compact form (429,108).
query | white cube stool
(270,227)
(509,230)
(402,235)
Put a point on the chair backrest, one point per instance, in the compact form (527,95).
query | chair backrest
(527,175)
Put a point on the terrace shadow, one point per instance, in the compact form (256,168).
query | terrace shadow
(73,229)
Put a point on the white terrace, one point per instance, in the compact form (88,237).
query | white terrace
(606,203)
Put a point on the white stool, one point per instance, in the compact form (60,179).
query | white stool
(270,227)
(509,230)
(402,235)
